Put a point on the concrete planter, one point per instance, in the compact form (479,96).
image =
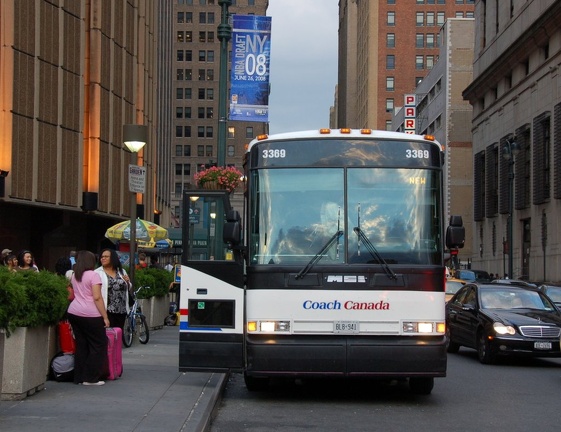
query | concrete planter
(156,310)
(26,361)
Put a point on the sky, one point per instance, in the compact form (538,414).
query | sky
(303,68)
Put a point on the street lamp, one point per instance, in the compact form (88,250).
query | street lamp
(510,150)
(134,137)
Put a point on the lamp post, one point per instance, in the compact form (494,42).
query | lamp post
(224,36)
(134,137)
(510,150)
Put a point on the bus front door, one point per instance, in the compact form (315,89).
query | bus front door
(211,299)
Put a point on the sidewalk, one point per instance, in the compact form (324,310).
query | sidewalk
(152,395)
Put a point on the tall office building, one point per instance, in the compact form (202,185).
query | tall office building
(386,48)
(515,98)
(196,69)
(72,73)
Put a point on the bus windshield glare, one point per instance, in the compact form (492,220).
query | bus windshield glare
(297,212)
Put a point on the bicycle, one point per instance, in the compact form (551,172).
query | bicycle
(135,322)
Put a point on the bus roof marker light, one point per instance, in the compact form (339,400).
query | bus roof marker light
(345,130)
(262,137)
(366,131)
(325,131)
(429,137)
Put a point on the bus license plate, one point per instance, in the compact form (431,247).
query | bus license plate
(345,327)
(542,345)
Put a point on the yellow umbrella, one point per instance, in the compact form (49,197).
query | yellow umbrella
(145,231)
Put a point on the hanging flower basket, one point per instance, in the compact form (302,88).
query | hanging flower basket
(215,178)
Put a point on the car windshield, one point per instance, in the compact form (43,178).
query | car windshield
(514,299)
(452,287)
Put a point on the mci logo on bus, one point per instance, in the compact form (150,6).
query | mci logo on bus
(346,278)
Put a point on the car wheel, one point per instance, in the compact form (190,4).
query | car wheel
(484,351)
(421,385)
(451,347)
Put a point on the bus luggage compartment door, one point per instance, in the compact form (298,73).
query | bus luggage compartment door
(211,327)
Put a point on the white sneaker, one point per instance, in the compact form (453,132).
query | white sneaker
(99,383)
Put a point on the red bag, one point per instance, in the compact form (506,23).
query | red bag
(66,337)
(114,352)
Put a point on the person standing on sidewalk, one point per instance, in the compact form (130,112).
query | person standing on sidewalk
(88,317)
(115,286)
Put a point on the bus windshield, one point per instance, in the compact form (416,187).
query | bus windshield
(296,213)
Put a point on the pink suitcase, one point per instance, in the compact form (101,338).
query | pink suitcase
(115,352)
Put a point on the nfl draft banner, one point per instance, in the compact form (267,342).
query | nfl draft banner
(249,80)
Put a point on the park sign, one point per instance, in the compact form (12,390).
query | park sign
(249,79)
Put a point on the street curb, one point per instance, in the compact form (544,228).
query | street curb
(209,401)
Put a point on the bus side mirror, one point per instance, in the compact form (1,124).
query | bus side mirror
(455,233)
(231,233)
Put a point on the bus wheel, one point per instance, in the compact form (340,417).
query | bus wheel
(255,384)
(421,385)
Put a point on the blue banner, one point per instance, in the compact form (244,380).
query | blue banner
(249,80)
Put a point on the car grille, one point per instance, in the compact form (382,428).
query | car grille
(540,331)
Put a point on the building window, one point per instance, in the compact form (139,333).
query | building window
(388,125)
(210,74)
(430,40)
(210,56)
(209,112)
(210,94)
(200,131)
(202,94)
(459,14)
(189,36)
(186,150)
(430,61)
(201,113)
(202,18)
(178,190)
(179,131)
(440,18)
(188,74)
(178,150)
(179,93)
(249,132)
(200,150)
(188,17)
(178,169)
(180,36)
(209,131)
(231,132)
(419,62)
(390,18)
(202,74)
(202,36)
(389,104)
(210,18)
(188,93)
(420,19)
(180,55)
(210,37)
(180,17)
(430,18)
(187,112)
(202,55)
(231,150)
(179,112)
(419,40)
(180,75)
(187,131)
(390,62)
(208,151)
(390,40)
(390,83)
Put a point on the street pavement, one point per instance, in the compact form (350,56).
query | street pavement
(151,395)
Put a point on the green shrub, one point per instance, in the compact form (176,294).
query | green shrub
(158,280)
(32,299)
(12,299)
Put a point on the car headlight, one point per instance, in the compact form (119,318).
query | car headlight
(502,329)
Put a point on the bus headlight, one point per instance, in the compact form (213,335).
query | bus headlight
(268,326)
(424,327)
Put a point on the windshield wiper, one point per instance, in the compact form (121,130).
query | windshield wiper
(319,255)
(374,252)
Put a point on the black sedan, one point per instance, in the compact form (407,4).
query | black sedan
(498,319)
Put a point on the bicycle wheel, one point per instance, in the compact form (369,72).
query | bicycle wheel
(127,332)
(143,332)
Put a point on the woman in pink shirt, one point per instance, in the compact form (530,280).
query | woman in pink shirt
(88,318)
